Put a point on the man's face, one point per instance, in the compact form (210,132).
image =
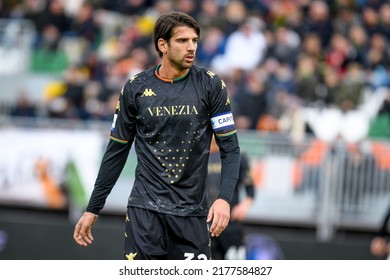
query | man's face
(181,48)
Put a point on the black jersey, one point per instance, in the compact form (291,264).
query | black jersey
(171,124)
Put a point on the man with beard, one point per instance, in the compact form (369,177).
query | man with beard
(171,113)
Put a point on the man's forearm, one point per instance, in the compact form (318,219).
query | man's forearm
(230,161)
(111,167)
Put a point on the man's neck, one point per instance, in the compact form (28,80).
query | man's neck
(171,73)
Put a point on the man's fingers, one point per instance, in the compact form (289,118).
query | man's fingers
(89,235)
(86,240)
(220,215)
(83,239)
(83,233)
(77,234)
(214,225)
(218,226)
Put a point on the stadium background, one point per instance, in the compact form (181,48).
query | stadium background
(309,84)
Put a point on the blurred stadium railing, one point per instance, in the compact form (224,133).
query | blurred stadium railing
(328,186)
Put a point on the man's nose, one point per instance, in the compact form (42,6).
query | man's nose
(191,46)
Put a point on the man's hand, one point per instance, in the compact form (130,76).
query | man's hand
(378,246)
(219,213)
(83,229)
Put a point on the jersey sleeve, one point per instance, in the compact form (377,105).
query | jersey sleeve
(115,156)
(123,123)
(111,167)
(221,113)
(225,135)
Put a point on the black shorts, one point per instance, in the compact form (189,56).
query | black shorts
(151,235)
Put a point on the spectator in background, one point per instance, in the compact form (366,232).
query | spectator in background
(359,43)
(23,107)
(34,10)
(245,48)
(49,40)
(210,14)
(187,6)
(378,51)
(332,86)
(213,44)
(251,101)
(284,46)
(281,79)
(279,11)
(307,79)
(94,67)
(346,17)
(55,17)
(83,25)
(318,21)
(350,95)
(75,81)
(370,20)
(339,53)
(384,13)
(378,61)
(269,121)
(311,46)
(233,15)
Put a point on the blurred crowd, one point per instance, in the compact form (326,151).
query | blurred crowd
(276,56)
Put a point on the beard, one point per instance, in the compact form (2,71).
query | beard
(181,63)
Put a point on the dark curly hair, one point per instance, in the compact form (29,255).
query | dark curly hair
(167,22)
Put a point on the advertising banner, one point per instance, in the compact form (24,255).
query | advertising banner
(48,168)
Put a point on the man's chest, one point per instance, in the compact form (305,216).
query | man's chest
(177,103)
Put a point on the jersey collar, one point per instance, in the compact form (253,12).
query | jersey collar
(168,80)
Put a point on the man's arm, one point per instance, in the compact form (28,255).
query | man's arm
(111,166)
(219,212)
(230,165)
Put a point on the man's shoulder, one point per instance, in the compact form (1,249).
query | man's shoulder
(207,76)
(204,71)
(141,77)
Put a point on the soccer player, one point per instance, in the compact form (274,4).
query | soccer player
(230,245)
(170,112)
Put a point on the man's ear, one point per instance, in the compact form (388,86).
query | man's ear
(162,45)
